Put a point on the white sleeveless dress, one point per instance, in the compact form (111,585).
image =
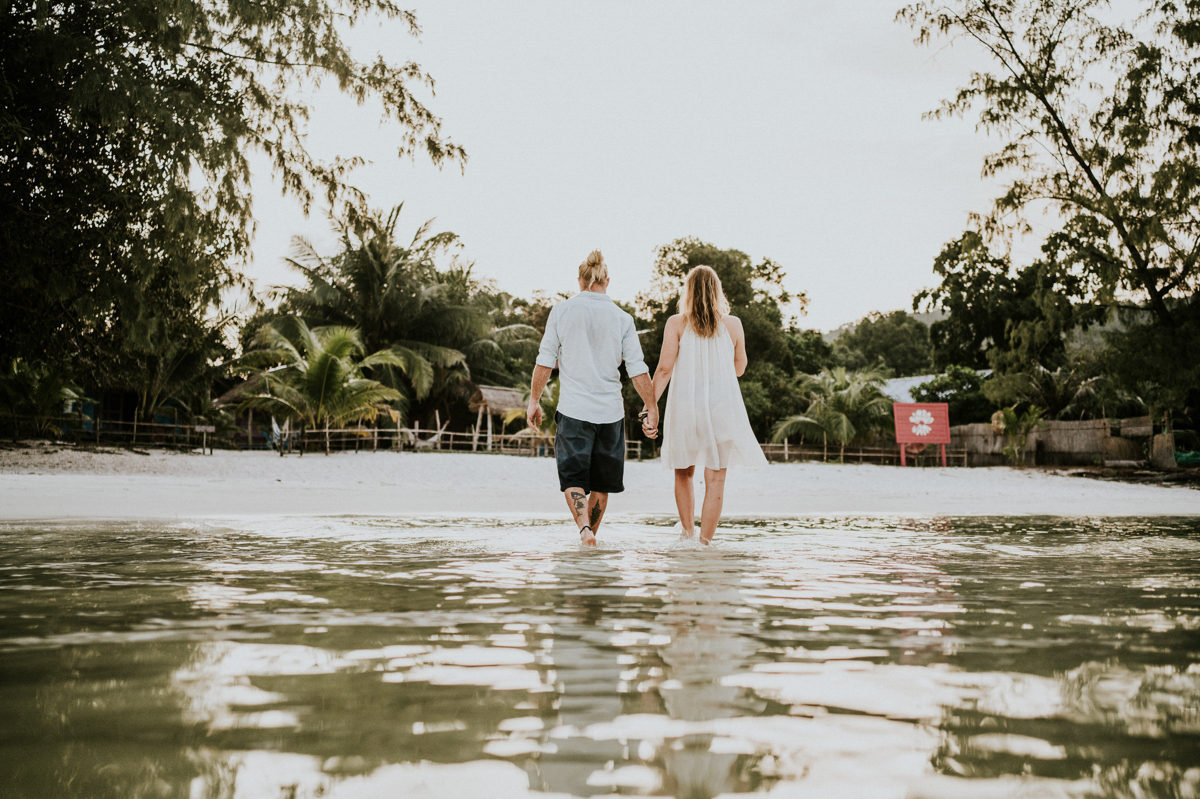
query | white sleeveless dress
(706,424)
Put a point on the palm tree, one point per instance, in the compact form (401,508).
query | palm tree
(1064,393)
(390,293)
(843,406)
(37,391)
(441,323)
(319,382)
(178,364)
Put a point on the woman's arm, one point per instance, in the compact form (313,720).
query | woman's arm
(667,356)
(738,334)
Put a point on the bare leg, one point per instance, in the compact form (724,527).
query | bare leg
(577,503)
(597,504)
(714,498)
(685,500)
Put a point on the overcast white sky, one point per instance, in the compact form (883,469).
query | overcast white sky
(783,128)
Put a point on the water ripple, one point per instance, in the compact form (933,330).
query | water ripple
(871,656)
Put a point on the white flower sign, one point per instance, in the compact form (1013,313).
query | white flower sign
(922,422)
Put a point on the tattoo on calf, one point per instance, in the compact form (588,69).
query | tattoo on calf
(597,509)
(579,501)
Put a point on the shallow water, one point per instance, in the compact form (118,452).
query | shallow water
(813,657)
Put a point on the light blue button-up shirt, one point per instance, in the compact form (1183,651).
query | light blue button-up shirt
(588,336)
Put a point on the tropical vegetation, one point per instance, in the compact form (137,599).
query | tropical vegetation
(1016,427)
(35,392)
(128,128)
(1097,123)
(842,407)
(125,220)
(317,379)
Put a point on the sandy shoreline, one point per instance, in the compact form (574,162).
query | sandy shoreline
(61,483)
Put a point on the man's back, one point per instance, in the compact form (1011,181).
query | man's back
(588,336)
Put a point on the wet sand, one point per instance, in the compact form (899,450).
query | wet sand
(62,483)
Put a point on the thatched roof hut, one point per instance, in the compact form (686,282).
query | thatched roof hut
(493,401)
(496,399)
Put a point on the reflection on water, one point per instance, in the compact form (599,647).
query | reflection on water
(843,657)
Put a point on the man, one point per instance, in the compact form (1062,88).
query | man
(587,337)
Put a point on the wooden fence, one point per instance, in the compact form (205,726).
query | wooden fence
(85,430)
(365,438)
(784,453)
(360,439)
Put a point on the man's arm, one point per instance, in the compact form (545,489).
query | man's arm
(645,389)
(547,359)
(533,413)
(639,374)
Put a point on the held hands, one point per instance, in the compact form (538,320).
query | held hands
(649,419)
(533,414)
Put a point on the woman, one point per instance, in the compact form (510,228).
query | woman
(704,353)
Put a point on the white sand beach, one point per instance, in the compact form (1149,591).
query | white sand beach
(50,482)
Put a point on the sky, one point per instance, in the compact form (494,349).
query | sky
(788,129)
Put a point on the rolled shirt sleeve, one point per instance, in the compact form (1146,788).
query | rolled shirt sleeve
(549,348)
(631,351)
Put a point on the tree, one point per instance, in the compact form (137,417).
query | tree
(390,293)
(124,142)
(1016,428)
(809,350)
(320,383)
(770,394)
(980,296)
(439,322)
(897,341)
(1156,367)
(755,292)
(1068,392)
(177,364)
(756,296)
(1100,123)
(961,388)
(35,391)
(846,407)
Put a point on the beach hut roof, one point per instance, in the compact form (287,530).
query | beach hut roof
(235,394)
(497,399)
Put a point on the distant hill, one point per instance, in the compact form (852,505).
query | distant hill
(928,317)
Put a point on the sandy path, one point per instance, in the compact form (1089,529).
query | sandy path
(47,483)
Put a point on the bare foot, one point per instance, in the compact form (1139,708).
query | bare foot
(586,536)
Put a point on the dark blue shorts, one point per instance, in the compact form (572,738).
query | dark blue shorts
(590,456)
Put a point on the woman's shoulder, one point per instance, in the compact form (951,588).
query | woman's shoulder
(732,322)
(675,322)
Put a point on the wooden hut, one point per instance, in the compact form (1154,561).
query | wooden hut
(493,401)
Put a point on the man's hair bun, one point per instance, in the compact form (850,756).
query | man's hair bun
(593,270)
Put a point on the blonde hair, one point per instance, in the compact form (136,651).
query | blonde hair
(703,302)
(593,270)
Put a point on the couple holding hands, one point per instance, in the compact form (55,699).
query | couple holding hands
(705,425)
